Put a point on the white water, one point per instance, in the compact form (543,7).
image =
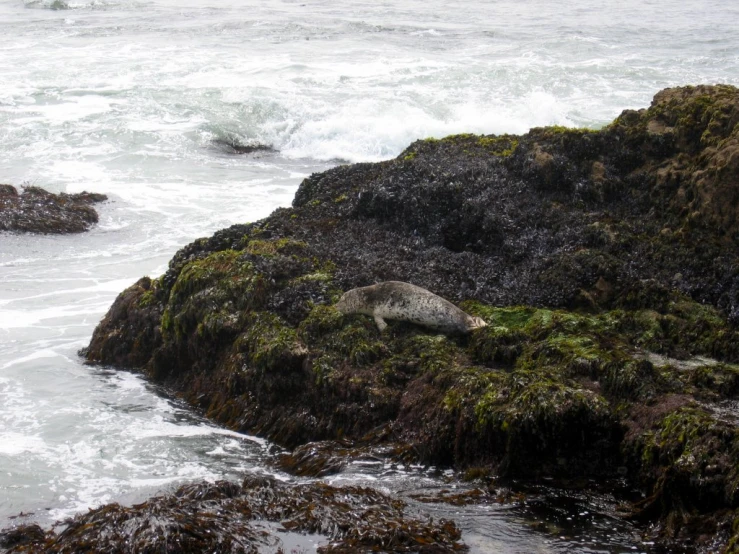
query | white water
(126,98)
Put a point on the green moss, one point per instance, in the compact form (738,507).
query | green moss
(321,320)
(561,129)
(167,322)
(601,346)
(315,277)
(217,324)
(434,352)
(496,345)
(531,407)
(223,281)
(502,146)
(367,352)
(225,265)
(721,379)
(273,247)
(631,380)
(473,383)
(564,355)
(410,156)
(461,137)
(350,337)
(323,368)
(341,198)
(359,344)
(269,343)
(692,453)
(687,329)
(148,298)
(514,317)
(680,440)
(699,120)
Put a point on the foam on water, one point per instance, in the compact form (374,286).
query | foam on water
(130,439)
(354,85)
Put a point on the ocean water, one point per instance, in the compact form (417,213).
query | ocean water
(134,99)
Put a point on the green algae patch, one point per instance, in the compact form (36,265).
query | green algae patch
(514,317)
(151,295)
(321,321)
(467,144)
(226,270)
(502,146)
(271,248)
(698,116)
(546,423)
(269,343)
(498,344)
(472,386)
(688,459)
(686,329)
(223,281)
(434,353)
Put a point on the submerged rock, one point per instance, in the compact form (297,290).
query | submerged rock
(35,210)
(601,261)
(233,145)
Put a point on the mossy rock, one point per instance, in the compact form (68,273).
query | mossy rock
(689,459)
(604,263)
(269,344)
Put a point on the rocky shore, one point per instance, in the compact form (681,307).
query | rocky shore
(35,210)
(605,263)
(229,518)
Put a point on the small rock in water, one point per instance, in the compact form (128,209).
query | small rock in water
(36,210)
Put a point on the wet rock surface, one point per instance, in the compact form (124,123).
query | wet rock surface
(235,145)
(226,517)
(605,263)
(35,210)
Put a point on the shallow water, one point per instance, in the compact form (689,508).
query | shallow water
(128,98)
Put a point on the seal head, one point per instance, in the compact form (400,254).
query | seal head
(403,301)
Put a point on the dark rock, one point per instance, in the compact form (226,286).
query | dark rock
(23,538)
(226,517)
(235,146)
(615,251)
(38,211)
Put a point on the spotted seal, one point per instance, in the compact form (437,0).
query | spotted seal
(406,302)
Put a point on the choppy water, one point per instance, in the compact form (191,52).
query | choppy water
(127,98)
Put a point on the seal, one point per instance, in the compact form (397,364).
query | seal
(406,302)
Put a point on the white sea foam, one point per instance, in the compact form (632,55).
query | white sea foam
(13,444)
(36,355)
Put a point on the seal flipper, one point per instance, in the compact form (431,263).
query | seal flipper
(381,325)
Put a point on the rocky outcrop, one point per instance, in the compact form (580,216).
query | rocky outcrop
(605,263)
(35,210)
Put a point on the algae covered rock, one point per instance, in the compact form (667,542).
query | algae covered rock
(35,210)
(228,517)
(605,264)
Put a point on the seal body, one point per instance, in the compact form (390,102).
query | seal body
(406,302)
